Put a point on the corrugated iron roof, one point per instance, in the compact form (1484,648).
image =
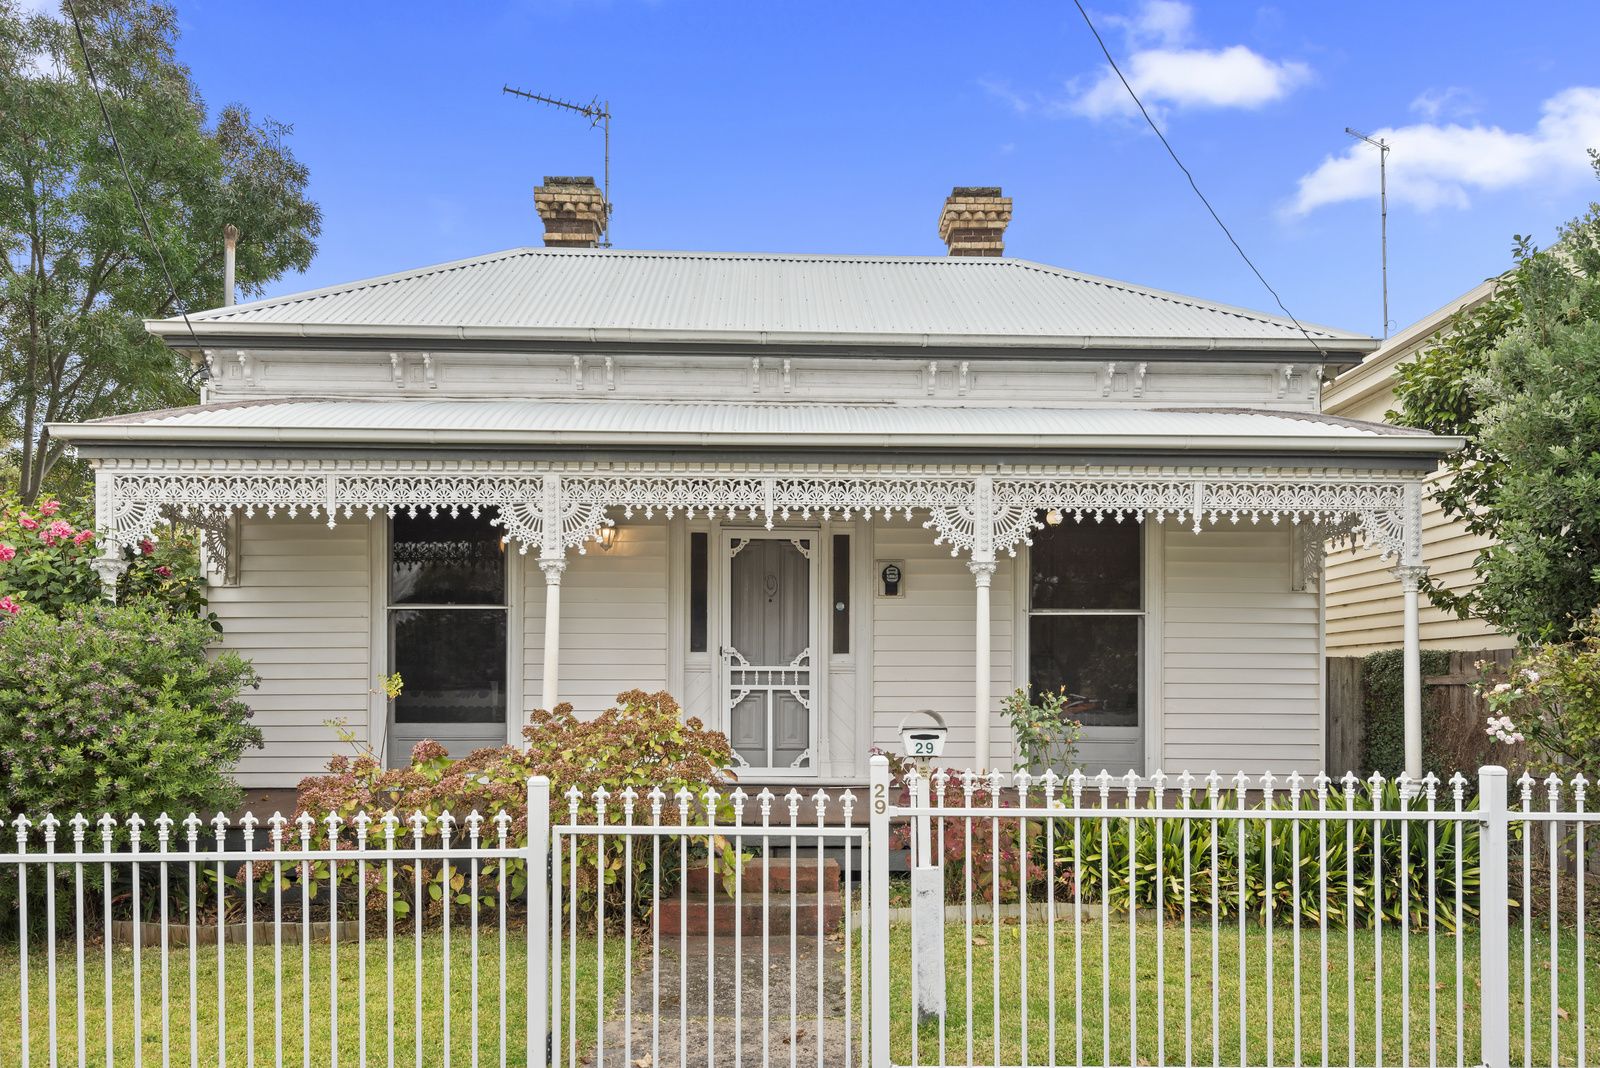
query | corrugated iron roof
(807,425)
(586,294)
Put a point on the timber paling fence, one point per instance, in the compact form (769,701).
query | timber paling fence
(1078,920)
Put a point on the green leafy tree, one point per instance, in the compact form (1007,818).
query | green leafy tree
(1519,377)
(78,274)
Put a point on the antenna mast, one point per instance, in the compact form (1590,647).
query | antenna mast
(598,112)
(1383,212)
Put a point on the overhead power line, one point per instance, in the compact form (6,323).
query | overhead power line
(1192,183)
(127,177)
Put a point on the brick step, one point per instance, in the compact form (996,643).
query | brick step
(698,918)
(776,874)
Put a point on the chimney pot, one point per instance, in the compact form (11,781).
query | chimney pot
(973,222)
(573,210)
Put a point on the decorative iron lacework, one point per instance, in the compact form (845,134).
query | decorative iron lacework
(981,515)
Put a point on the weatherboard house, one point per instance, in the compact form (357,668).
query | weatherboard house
(806,494)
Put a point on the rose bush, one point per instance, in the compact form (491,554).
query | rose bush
(46,553)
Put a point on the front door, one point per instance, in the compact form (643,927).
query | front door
(769,656)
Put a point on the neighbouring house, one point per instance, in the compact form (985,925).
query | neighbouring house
(807,494)
(1365,610)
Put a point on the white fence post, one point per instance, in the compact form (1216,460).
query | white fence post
(1495,947)
(878,910)
(538,890)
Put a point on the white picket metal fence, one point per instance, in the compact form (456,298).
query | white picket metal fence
(961,920)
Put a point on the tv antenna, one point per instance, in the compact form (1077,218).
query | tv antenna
(598,112)
(1383,212)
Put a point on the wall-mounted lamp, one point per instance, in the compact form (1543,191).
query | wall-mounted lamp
(606,536)
(1053,517)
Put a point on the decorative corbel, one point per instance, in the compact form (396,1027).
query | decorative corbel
(397,370)
(1138,379)
(1108,375)
(962,369)
(1286,375)
(755,374)
(611,374)
(577,372)
(930,377)
(246,372)
(785,377)
(427,370)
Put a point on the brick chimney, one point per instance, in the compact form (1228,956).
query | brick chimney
(573,211)
(973,222)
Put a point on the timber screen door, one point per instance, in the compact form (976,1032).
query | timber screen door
(769,656)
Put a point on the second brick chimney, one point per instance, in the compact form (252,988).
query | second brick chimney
(573,210)
(973,222)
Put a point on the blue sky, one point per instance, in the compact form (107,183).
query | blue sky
(841,127)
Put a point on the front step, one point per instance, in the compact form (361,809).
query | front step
(776,872)
(705,905)
(697,917)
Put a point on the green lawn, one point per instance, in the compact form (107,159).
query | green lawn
(1195,1018)
(238,1008)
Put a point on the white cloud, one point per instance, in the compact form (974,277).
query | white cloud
(1436,165)
(1170,70)
(1453,102)
(1232,77)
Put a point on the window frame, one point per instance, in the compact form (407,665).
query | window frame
(511,603)
(1146,677)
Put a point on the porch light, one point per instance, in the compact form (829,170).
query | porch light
(606,537)
(1053,517)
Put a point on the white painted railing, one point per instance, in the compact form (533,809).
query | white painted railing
(1280,921)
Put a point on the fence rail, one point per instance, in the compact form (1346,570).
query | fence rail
(1044,920)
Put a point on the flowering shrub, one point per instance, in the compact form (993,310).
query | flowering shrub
(46,554)
(1550,700)
(1045,734)
(641,743)
(118,709)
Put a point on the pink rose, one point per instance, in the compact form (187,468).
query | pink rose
(7,553)
(56,531)
(49,508)
(146,547)
(9,606)
(27,522)
(164,571)
(82,536)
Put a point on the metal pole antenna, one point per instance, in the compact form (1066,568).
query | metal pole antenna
(598,112)
(1382,146)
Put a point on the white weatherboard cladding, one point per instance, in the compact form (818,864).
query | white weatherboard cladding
(613,621)
(923,643)
(1241,672)
(302,614)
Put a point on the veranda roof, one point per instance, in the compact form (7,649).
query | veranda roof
(771,424)
(617,296)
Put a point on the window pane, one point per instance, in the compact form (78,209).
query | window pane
(452,663)
(1096,660)
(1086,565)
(446,560)
(841,593)
(699,552)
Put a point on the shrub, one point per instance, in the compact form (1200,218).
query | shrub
(1045,736)
(641,743)
(1383,707)
(46,554)
(119,709)
(1346,889)
(1551,699)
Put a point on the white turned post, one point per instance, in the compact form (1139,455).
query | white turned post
(552,569)
(1410,572)
(1410,579)
(983,576)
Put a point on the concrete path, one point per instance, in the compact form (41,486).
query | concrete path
(689,1038)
